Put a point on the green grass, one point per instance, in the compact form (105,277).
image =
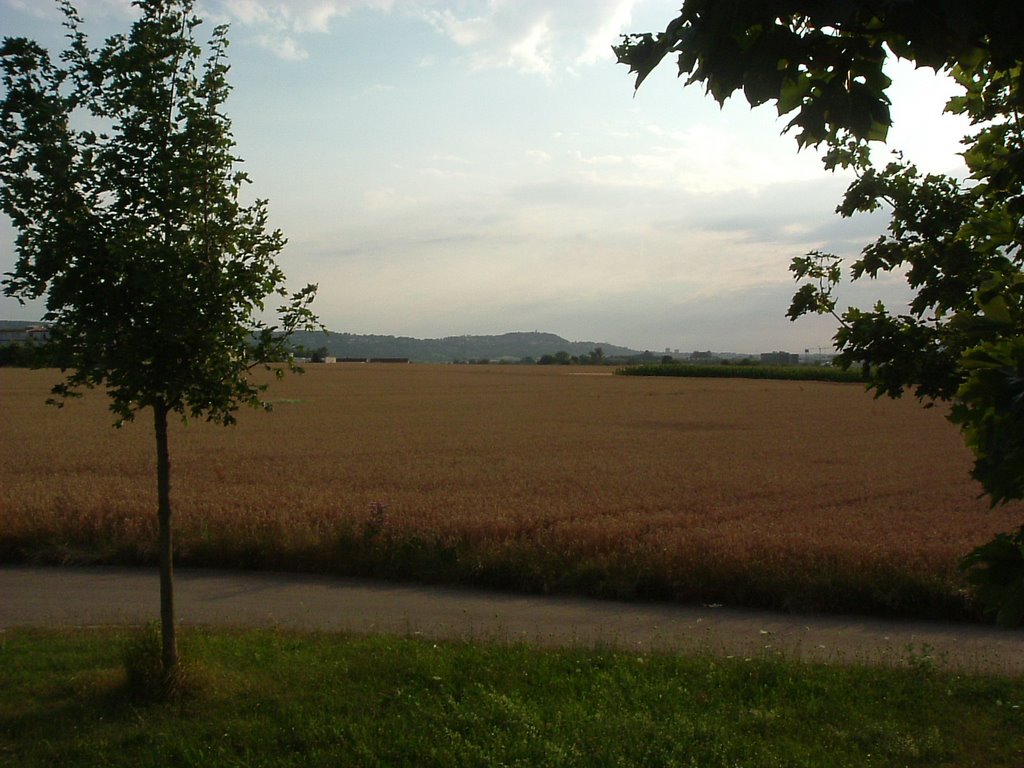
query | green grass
(754,371)
(279,699)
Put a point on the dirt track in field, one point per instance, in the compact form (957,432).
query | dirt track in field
(73,596)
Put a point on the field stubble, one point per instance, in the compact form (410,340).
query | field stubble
(799,495)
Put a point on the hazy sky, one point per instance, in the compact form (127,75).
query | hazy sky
(482,166)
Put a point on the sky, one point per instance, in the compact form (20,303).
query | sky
(449,167)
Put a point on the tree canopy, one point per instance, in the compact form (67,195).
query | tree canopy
(957,241)
(116,168)
(118,172)
(823,59)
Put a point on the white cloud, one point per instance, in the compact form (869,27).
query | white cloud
(115,8)
(378,88)
(121,9)
(299,16)
(532,54)
(318,18)
(385,199)
(599,42)
(284,47)
(248,12)
(463,32)
(702,159)
(597,160)
(279,23)
(533,36)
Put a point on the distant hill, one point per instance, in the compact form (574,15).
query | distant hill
(10,325)
(507,346)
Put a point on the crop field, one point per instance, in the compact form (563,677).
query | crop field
(800,495)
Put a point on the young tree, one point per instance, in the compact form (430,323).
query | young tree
(116,168)
(958,243)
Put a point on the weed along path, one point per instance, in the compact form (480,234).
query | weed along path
(87,596)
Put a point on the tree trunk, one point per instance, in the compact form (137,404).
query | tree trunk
(163,484)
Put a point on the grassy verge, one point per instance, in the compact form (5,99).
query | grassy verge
(756,371)
(277,699)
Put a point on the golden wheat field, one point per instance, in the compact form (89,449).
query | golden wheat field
(784,493)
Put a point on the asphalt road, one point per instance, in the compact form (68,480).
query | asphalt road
(90,596)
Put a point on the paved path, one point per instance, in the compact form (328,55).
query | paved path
(32,596)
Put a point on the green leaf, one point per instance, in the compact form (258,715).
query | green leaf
(792,94)
(997,310)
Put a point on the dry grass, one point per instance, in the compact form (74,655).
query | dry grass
(801,495)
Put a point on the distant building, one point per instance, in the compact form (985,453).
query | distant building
(780,358)
(34,333)
(366,359)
